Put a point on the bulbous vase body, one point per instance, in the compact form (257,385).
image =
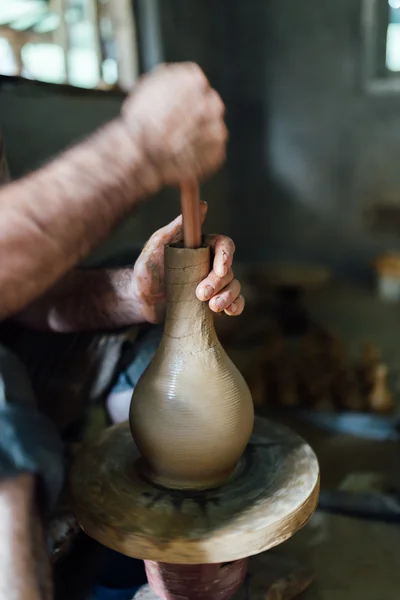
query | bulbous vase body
(191,413)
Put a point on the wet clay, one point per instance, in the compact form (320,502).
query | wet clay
(192,413)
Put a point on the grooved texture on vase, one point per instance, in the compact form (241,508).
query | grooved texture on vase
(191,413)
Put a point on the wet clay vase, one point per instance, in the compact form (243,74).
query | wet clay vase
(191,413)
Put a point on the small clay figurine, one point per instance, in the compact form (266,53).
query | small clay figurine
(380,399)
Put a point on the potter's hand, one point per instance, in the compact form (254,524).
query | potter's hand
(110,298)
(220,288)
(176,120)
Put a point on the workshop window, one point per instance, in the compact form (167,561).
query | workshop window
(83,43)
(381,45)
(393,37)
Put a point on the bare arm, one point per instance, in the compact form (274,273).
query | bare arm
(52,218)
(171,129)
(86,300)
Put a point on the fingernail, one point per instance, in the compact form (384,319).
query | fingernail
(207,292)
(219,302)
(233,308)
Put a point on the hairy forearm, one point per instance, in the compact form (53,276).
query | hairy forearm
(53,217)
(24,564)
(87,300)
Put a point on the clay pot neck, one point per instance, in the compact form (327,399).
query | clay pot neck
(189,323)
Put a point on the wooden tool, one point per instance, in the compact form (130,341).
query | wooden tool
(190,203)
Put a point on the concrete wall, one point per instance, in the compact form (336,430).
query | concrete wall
(309,150)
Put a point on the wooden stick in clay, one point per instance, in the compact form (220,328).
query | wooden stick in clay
(190,202)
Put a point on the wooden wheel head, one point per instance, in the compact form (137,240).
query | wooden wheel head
(272,495)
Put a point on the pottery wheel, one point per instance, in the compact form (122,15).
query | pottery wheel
(272,494)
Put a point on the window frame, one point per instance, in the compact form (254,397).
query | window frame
(377,79)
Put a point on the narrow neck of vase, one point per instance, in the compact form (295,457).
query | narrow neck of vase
(187,318)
